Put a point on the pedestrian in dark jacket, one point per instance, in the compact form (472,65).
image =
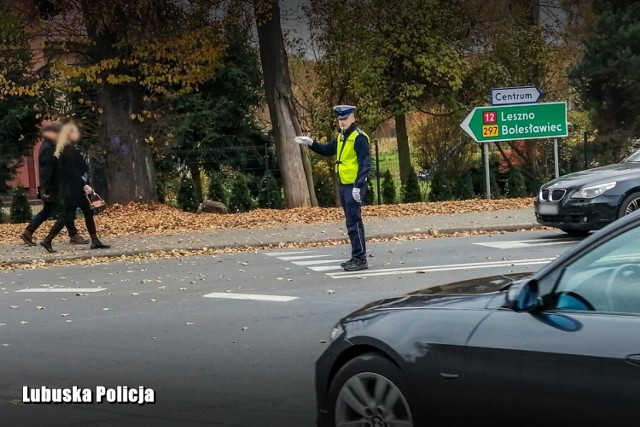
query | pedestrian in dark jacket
(75,188)
(48,188)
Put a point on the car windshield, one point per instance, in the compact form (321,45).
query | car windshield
(633,158)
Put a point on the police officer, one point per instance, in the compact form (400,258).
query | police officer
(353,161)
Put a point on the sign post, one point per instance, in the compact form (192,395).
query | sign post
(515,122)
(487,171)
(556,157)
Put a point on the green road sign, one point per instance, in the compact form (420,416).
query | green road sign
(513,122)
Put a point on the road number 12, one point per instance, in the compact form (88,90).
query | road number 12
(489,117)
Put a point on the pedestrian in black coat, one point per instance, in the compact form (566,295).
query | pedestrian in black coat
(74,173)
(48,188)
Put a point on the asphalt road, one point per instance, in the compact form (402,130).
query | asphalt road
(169,325)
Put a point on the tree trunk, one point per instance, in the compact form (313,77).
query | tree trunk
(404,152)
(128,165)
(296,178)
(308,173)
(128,162)
(196,176)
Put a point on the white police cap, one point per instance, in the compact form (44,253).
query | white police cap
(344,110)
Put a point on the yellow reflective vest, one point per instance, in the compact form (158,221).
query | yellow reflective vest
(346,158)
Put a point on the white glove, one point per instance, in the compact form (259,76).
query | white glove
(356,195)
(88,190)
(304,140)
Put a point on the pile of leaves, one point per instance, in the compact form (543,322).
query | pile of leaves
(157,219)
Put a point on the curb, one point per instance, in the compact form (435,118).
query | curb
(446,232)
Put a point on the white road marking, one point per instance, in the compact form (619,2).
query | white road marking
(312,262)
(518,244)
(317,262)
(299,257)
(251,297)
(287,253)
(76,290)
(436,268)
(325,268)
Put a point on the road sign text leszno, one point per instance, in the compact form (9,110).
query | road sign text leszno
(514,122)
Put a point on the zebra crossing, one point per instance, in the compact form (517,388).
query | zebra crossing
(329,264)
(310,259)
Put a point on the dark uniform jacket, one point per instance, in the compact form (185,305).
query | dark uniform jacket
(361,147)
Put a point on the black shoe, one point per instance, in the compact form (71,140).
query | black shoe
(27,237)
(356,264)
(99,245)
(48,247)
(344,264)
(78,240)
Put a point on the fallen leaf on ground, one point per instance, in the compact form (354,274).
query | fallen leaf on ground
(140,219)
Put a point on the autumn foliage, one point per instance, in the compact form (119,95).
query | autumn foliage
(137,219)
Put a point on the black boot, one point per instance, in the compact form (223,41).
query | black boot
(344,264)
(97,244)
(47,245)
(356,264)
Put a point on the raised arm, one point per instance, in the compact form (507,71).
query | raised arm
(328,149)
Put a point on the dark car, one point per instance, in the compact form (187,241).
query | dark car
(589,200)
(558,348)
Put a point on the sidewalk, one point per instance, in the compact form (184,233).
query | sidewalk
(506,220)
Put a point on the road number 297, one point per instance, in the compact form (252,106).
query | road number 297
(490,131)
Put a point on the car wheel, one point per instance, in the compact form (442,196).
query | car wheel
(575,233)
(630,204)
(370,391)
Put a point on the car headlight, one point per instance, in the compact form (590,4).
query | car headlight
(336,332)
(593,191)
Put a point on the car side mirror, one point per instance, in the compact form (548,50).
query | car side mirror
(524,296)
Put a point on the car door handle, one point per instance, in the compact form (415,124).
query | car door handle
(634,359)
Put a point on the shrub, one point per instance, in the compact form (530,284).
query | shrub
(516,186)
(270,193)
(370,195)
(20,207)
(323,174)
(534,183)
(217,192)
(324,192)
(496,193)
(187,198)
(161,191)
(440,187)
(411,190)
(388,189)
(240,200)
(464,188)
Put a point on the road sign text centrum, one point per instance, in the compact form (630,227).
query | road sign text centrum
(515,95)
(513,122)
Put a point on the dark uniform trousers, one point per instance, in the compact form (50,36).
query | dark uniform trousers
(353,215)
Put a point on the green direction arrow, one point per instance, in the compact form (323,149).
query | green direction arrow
(513,122)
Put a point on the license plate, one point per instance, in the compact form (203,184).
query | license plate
(548,209)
